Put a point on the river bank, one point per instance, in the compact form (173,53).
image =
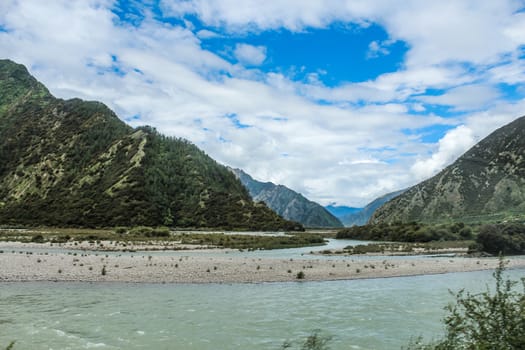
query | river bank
(138,267)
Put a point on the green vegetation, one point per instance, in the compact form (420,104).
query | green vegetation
(408,232)
(483,185)
(75,164)
(392,248)
(10,346)
(253,242)
(502,238)
(505,238)
(484,321)
(161,236)
(315,341)
(287,203)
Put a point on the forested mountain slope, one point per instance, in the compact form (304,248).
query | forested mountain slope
(288,203)
(485,184)
(72,162)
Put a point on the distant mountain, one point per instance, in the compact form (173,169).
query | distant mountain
(362,216)
(287,203)
(339,211)
(74,163)
(487,183)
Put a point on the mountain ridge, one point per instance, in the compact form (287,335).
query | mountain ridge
(75,163)
(362,216)
(288,203)
(486,183)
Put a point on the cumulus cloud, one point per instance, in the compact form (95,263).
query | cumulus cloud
(339,143)
(249,54)
(378,48)
(451,146)
(436,31)
(466,97)
(207,34)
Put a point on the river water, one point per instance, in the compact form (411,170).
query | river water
(359,314)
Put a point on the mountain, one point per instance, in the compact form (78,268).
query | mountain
(487,183)
(362,216)
(339,211)
(75,163)
(287,203)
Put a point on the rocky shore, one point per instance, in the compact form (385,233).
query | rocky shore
(188,266)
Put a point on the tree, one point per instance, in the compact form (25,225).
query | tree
(485,320)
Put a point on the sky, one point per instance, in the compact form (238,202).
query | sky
(340,100)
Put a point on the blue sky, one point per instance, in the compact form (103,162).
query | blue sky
(340,100)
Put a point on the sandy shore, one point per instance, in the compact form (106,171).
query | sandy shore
(180,268)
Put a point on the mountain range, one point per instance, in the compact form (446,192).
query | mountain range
(363,215)
(340,211)
(487,183)
(75,163)
(288,203)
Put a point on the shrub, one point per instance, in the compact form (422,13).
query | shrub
(300,275)
(504,239)
(316,341)
(37,239)
(466,233)
(121,230)
(485,320)
(141,231)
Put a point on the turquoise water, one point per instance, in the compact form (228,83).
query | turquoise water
(360,314)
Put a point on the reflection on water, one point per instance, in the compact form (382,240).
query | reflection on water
(359,314)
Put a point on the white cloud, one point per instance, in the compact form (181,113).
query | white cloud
(470,30)
(450,147)
(207,34)
(249,54)
(348,149)
(377,48)
(291,14)
(466,97)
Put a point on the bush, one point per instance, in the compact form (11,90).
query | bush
(141,231)
(37,239)
(502,238)
(315,341)
(485,320)
(121,230)
(150,232)
(300,275)
(405,232)
(161,232)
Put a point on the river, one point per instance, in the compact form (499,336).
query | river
(359,314)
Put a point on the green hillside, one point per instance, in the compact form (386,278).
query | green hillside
(75,163)
(486,184)
(287,203)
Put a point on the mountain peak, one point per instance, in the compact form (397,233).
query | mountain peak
(288,203)
(485,183)
(75,163)
(16,84)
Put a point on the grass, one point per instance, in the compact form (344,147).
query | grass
(441,247)
(144,235)
(238,241)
